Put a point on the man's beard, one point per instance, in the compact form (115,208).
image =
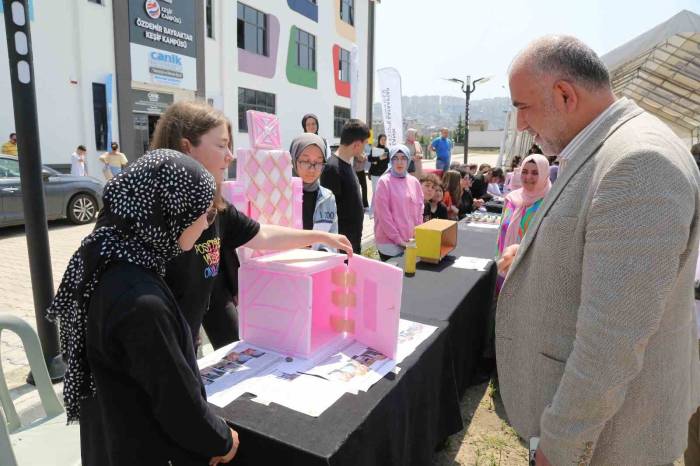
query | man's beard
(557,129)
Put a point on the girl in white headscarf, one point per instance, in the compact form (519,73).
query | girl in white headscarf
(398,205)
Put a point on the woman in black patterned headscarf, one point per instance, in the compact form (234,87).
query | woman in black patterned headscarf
(132,378)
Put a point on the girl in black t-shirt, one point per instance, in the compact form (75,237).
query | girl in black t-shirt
(204,134)
(435,208)
(432,194)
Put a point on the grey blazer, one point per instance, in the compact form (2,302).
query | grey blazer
(595,329)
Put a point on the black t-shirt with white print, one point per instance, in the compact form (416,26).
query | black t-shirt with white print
(190,276)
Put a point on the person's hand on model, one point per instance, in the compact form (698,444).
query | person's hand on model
(337,242)
(506,260)
(277,238)
(229,456)
(478,203)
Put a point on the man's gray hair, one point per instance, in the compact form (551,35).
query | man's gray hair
(568,58)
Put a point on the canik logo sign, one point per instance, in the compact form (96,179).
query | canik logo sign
(153,8)
(170,58)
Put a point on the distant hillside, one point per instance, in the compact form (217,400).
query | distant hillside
(433,110)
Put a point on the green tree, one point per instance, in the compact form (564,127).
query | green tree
(459,132)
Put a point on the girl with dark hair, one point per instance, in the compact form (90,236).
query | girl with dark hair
(309,124)
(379,164)
(452,185)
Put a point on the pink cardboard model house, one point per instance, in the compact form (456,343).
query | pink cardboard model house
(264,188)
(302,301)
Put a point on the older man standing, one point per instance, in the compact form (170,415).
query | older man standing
(415,158)
(442,146)
(596,348)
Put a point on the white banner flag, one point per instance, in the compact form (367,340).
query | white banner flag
(390,92)
(354,83)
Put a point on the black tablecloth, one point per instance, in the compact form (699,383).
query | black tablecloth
(439,292)
(399,421)
(404,417)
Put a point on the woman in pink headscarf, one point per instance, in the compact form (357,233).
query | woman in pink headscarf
(520,205)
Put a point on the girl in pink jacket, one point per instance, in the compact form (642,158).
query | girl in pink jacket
(398,205)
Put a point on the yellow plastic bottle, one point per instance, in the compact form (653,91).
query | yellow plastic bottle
(409,261)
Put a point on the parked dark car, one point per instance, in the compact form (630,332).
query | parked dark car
(78,198)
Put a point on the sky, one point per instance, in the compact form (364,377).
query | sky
(427,40)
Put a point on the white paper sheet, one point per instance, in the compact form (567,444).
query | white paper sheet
(304,393)
(471,263)
(356,367)
(487,226)
(309,386)
(411,335)
(231,371)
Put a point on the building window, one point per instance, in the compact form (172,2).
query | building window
(347,11)
(252,30)
(250,99)
(99,108)
(344,66)
(306,50)
(340,117)
(210,19)
(99,2)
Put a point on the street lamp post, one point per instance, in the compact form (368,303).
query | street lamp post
(19,48)
(467,87)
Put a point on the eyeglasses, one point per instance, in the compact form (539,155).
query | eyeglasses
(211,215)
(311,166)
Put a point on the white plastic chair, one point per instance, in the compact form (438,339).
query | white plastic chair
(48,440)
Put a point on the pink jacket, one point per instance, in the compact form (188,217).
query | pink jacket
(398,208)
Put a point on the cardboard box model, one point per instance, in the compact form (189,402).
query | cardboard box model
(264,188)
(300,302)
(435,239)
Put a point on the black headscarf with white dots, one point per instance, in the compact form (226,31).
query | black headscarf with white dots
(146,208)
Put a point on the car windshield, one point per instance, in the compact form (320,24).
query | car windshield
(9,168)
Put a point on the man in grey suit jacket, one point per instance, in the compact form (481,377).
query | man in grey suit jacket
(595,334)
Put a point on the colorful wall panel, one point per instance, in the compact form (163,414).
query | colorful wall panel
(296,74)
(344,29)
(342,88)
(304,7)
(262,65)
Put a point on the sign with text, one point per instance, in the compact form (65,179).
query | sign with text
(153,103)
(390,93)
(162,42)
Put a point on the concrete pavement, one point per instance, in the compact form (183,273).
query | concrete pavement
(16,286)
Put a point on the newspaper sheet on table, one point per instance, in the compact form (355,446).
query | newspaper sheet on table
(229,372)
(411,335)
(355,367)
(309,386)
(289,384)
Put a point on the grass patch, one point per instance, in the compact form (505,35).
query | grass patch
(494,442)
(371,252)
